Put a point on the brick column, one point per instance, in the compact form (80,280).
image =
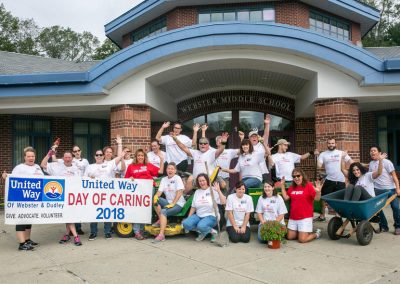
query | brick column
(338,118)
(305,142)
(132,122)
(6,154)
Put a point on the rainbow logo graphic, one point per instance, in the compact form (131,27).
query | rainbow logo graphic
(53,190)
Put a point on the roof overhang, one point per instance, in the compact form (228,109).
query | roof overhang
(152,9)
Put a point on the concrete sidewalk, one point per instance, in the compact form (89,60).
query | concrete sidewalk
(183,260)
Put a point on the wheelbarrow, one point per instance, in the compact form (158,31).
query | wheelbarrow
(360,214)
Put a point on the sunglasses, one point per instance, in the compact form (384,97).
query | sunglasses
(203,143)
(296,176)
(76,151)
(99,155)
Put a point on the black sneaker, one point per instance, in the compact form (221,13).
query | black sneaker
(25,246)
(108,236)
(80,232)
(92,237)
(32,243)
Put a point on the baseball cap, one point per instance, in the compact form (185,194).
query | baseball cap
(282,142)
(254,131)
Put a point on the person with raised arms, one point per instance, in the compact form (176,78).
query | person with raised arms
(65,169)
(28,168)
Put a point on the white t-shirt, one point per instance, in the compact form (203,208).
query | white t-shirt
(174,153)
(60,169)
(127,163)
(199,159)
(284,164)
(81,164)
(271,208)
(367,182)
(169,186)
(224,161)
(155,159)
(385,180)
(203,203)
(332,163)
(116,168)
(24,169)
(103,170)
(249,165)
(259,148)
(239,206)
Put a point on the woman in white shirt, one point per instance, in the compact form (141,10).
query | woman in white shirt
(172,187)
(238,207)
(270,207)
(361,182)
(202,216)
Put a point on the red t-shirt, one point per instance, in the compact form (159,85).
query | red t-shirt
(301,201)
(142,171)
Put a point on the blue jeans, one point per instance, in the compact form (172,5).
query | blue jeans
(168,211)
(396,213)
(107,228)
(202,225)
(251,182)
(138,228)
(259,234)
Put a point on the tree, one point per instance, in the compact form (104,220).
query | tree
(106,49)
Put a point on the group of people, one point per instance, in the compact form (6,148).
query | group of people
(254,159)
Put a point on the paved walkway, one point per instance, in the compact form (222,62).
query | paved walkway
(182,260)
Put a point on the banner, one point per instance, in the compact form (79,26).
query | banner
(48,199)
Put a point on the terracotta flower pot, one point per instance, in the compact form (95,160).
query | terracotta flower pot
(274,244)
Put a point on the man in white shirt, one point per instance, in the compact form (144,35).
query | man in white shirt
(387,180)
(335,180)
(285,161)
(174,153)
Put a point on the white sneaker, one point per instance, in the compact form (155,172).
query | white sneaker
(200,237)
(318,233)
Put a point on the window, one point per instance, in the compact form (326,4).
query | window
(89,136)
(329,26)
(389,136)
(30,132)
(151,29)
(252,14)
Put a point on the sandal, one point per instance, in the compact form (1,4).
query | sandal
(320,219)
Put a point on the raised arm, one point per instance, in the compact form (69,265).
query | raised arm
(221,146)
(181,145)
(343,165)
(222,197)
(165,125)
(161,156)
(378,172)
(317,189)
(118,140)
(283,189)
(120,158)
(204,128)
(267,122)
(45,160)
(196,128)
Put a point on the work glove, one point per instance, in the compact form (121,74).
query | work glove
(169,205)
(155,199)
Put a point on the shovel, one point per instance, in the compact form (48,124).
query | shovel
(222,239)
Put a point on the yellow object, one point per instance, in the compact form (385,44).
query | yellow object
(155,199)
(169,205)
(214,174)
(170,230)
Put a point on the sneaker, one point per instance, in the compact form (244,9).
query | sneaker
(214,234)
(32,243)
(397,231)
(64,239)
(92,237)
(320,219)
(77,241)
(108,236)
(382,230)
(80,232)
(156,224)
(25,246)
(186,231)
(139,236)
(318,233)
(200,237)
(159,238)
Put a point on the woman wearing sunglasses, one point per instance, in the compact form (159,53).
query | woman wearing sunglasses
(302,194)
(101,169)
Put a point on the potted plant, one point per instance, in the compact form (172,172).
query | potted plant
(274,233)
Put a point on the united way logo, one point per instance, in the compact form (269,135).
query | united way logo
(53,190)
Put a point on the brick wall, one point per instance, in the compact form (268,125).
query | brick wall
(355,33)
(338,118)
(305,142)
(62,127)
(292,13)
(6,149)
(181,17)
(367,134)
(133,124)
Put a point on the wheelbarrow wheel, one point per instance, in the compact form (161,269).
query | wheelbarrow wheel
(334,224)
(123,230)
(364,233)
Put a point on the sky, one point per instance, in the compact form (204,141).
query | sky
(79,15)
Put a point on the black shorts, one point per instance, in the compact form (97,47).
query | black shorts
(332,186)
(22,228)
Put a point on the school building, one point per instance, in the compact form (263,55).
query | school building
(226,63)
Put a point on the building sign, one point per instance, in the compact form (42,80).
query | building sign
(46,200)
(236,100)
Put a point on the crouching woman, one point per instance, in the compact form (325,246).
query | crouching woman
(202,216)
